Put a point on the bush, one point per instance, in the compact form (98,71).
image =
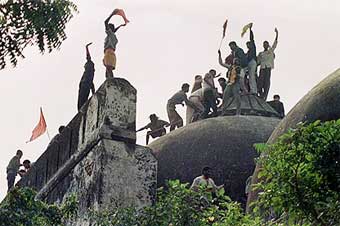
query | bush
(301,175)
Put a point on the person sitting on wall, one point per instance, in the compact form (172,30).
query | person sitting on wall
(277,105)
(157,128)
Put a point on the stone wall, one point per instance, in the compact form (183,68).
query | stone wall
(96,156)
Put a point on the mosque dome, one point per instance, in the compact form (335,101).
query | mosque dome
(224,143)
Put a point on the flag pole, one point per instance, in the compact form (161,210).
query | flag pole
(48,134)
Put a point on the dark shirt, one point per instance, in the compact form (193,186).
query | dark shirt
(87,78)
(278,107)
(239,53)
(251,54)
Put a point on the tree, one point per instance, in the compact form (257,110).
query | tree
(20,208)
(301,175)
(32,22)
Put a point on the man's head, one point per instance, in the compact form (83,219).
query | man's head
(206,171)
(222,81)
(27,164)
(212,72)
(198,78)
(19,153)
(233,45)
(22,173)
(112,27)
(266,45)
(185,87)
(153,117)
(61,128)
(276,97)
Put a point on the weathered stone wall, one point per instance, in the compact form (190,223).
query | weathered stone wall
(96,156)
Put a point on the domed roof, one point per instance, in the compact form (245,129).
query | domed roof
(224,143)
(321,103)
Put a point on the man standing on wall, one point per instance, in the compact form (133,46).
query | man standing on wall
(209,94)
(86,82)
(111,43)
(266,61)
(13,169)
(242,58)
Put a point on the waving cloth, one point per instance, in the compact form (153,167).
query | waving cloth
(121,13)
(40,128)
(224,32)
(245,29)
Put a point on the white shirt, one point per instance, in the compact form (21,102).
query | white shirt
(210,78)
(201,181)
(266,58)
(197,93)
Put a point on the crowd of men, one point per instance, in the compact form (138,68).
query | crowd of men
(247,74)
(14,168)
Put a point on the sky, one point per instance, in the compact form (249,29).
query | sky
(166,44)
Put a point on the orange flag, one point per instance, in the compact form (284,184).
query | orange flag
(40,128)
(121,13)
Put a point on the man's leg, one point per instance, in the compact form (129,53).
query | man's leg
(83,95)
(206,104)
(242,78)
(227,94)
(109,72)
(237,97)
(260,82)
(252,76)
(266,85)
(147,137)
(10,180)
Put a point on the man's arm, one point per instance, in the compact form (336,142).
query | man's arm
(108,19)
(276,39)
(194,185)
(220,61)
(122,25)
(143,128)
(93,90)
(165,123)
(88,55)
(251,34)
(282,110)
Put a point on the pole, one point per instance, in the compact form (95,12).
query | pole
(48,134)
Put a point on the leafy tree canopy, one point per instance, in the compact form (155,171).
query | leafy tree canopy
(32,22)
(301,175)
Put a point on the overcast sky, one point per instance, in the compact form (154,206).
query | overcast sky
(165,45)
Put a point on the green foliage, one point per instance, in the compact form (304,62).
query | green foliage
(32,22)
(301,175)
(178,206)
(21,209)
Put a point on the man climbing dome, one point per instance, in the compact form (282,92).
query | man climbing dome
(206,181)
(86,82)
(111,42)
(178,98)
(210,94)
(13,169)
(157,128)
(266,61)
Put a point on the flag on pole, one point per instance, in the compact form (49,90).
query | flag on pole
(225,28)
(245,28)
(121,13)
(40,128)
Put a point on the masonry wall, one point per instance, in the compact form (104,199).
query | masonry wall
(96,156)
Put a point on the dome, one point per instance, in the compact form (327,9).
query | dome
(223,143)
(321,103)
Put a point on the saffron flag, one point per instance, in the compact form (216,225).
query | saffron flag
(245,28)
(121,13)
(40,128)
(225,27)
